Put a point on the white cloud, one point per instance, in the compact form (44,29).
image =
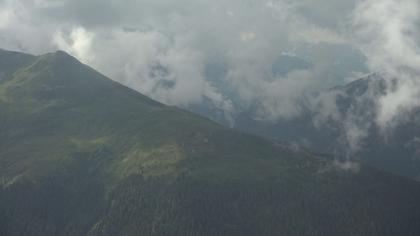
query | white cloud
(388,32)
(161,48)
(315,35)
(78,43)
(247,36)
(5,17)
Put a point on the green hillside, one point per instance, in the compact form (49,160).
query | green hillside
(83,155)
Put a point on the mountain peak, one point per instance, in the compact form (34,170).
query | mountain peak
(59,75)
(62,54)
(59,57)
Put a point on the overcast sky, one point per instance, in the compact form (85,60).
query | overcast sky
(182,51)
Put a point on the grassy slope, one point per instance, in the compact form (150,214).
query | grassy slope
(80,154)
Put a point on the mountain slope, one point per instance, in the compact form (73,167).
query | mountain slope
(396,152)
(83,155)
(11,61)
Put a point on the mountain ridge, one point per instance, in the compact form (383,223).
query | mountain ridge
(396,154)
(82,155)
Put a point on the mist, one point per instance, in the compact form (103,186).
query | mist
(166,50)
(232,56)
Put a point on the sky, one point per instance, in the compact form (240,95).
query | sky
(231,53)
(180,52)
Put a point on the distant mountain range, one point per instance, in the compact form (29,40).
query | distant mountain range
(83,155)
(398,152)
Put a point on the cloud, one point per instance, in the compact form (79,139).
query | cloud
(349,112)
(160,66)
(388,32)
(315,35)
(78,43)
(247,36)
(190,52)
(164,48)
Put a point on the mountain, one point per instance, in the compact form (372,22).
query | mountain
(11,61)
(397,151)
(83,155)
